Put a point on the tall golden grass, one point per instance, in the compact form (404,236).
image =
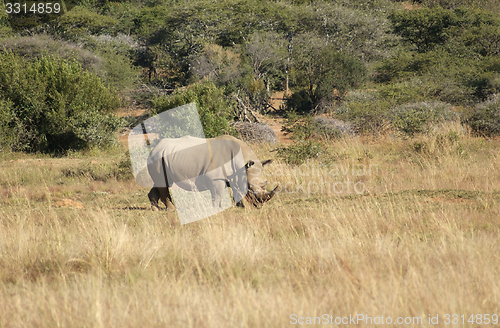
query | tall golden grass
(422,240)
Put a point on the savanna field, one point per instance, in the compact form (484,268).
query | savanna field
(382,118)
(80,246)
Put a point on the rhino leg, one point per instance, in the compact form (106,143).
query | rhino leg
(154,197)
(216,189)
(163,194)
(241,196)
(166,198)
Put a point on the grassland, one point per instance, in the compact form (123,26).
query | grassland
(79,246)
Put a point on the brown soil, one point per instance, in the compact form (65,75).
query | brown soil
(410,5)
(69,203)
(134,110)
(276,122)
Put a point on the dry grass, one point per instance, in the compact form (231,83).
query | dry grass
(423,239)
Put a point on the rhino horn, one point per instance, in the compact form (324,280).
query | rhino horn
(269,161)
(270,194)
(259,198)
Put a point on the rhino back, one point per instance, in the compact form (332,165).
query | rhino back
(180,160)
(189,157)
(248,153)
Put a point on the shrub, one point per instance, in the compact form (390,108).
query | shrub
(299,102)
(214,109)
(80,22)
(414,118)
(300,127)
(8,135)
(333,128)
(34,47)
(353,28)
(5,28)
(484,85)
(366,112)
(116,53)
(51,104)
(300,151)
(484,118)
(304,127)
(439,145)
(104,56)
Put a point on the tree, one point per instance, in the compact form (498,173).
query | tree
(323,73)
(219,64)
(266,53)
(423,27)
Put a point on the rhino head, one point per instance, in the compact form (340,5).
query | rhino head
(257,193)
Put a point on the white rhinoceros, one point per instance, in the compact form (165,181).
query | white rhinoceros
(197,164)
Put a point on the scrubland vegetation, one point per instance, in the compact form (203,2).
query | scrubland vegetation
(389,198)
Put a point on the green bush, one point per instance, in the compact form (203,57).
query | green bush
(299,102)
(51,104)
(120,74)
(32,47)
(8,125)
(354,28)
(304,127)
(214,109)
(484,118)
(454,57)
(5,28)
(300,127)
(81,22)
(300,151)
(438,75)
(387,109)
(103,55)
(117,53)
(425,28)
(414,118)
(490,5)
(367,111)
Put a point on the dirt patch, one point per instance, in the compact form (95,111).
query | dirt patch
(69,203)
(277,99)
(136,111)
(410,5)
(451,200)
(276,124)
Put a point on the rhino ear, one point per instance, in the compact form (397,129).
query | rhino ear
(269,161)
(250,163)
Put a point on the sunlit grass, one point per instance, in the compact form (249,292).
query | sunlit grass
(422,239)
